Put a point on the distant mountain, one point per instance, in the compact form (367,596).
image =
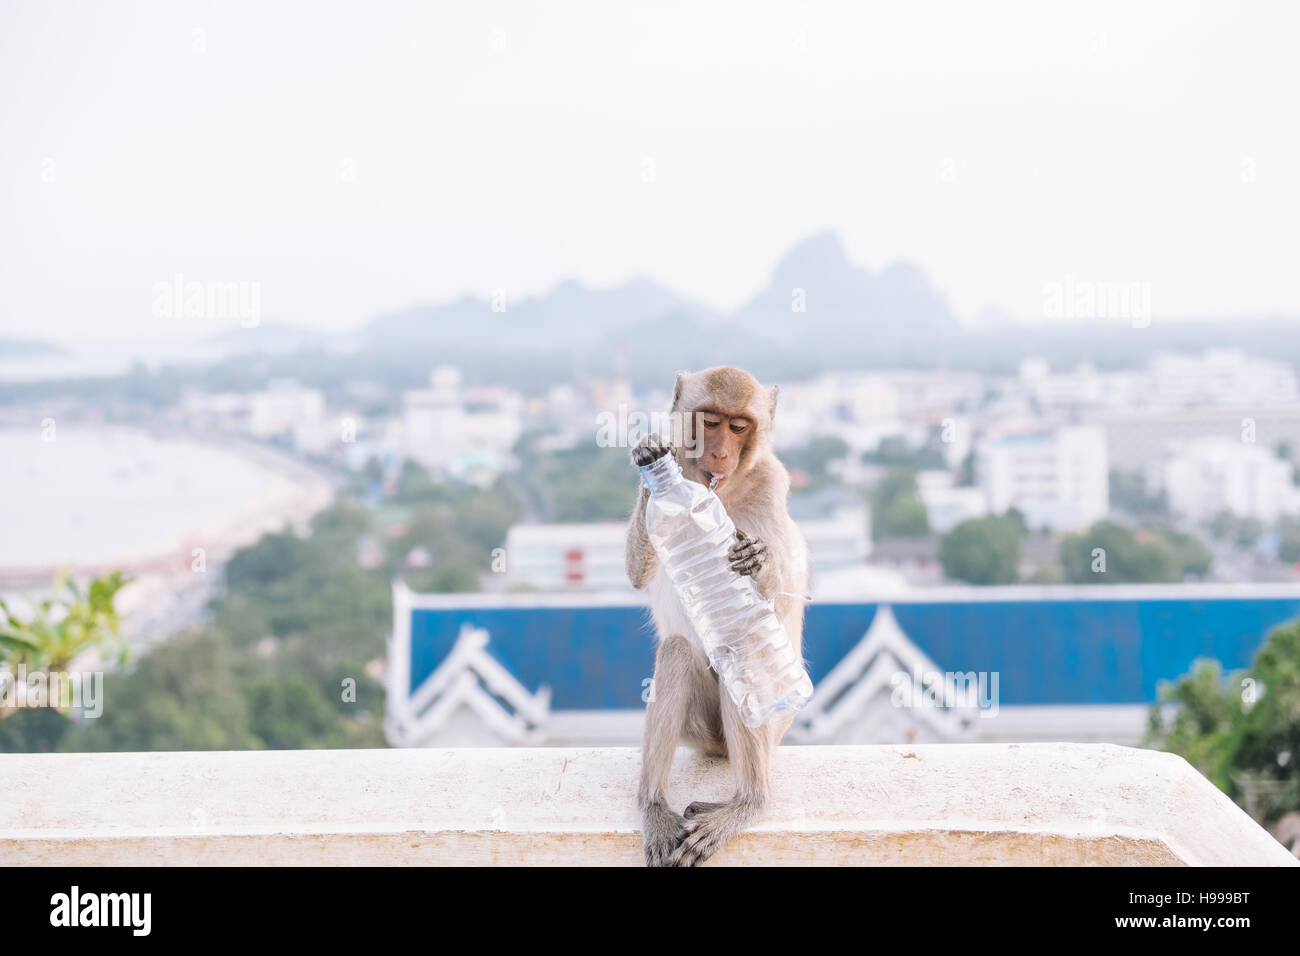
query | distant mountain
(30,348)
(570,315)
(851,318)
(653,349)
(848,313)
(819,299)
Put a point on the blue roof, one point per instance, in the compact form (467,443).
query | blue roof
(1047,651)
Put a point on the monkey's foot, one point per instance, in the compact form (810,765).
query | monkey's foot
(700,806)
(662,832)
(709,829)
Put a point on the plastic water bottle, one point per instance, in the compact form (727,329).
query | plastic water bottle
(744,639)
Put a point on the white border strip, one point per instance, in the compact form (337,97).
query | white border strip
(936,595)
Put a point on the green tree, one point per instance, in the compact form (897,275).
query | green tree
(982,551)
(63,625)
(587,483)
(1109,553)
(814,458)
(966,473)
(1287,454)
(1243,532)
(1288,540)
(1128,492)
(896,507)
(1242,732)
(894,452)
(70,621)
(182,695)
(1190,553)
(290,713)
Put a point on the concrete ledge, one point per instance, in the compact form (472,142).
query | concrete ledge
(939,804)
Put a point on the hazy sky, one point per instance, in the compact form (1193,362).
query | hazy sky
(360,157)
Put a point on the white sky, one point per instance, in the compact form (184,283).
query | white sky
(997,146)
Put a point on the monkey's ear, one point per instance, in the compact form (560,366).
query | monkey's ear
(771,400)
(677,388)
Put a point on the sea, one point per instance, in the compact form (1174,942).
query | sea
(96,496)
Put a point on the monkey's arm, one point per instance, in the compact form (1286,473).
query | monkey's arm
(642,562)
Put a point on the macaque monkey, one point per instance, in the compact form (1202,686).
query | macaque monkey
(725,419)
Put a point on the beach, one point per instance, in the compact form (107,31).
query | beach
(167,509)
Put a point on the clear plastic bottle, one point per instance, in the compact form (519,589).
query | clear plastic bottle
(744,639)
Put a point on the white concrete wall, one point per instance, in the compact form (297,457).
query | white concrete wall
(935,804)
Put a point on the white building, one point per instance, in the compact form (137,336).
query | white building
(592,557)
(1216,473)
(1080,386)
(560,557)
(1057,477)
(860,409)
(838,547)
(463,433)
(284,407)
(1221,377)
(948,504)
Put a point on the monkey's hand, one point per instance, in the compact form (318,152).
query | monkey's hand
(648,449)
(747,555)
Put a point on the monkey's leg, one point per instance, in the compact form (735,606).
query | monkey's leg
(710,825)
(695,808)
(665,721)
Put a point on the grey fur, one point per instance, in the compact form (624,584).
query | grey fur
(687,705)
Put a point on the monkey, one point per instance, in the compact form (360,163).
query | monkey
(723,421)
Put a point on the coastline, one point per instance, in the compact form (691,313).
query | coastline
(172,594)
(170,585)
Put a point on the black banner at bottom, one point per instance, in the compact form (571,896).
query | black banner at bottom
(239,905)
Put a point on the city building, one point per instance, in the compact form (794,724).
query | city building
(283,407)
(564,557)
(461,433)
(1057,477)
(1221,377)
(948,504)
(1216,473)
(592,557)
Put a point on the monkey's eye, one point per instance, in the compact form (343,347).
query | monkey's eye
(738,428)
(709,424)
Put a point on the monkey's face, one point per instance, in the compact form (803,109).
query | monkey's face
(726,416)
(723,440)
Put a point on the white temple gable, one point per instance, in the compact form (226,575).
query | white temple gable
(471,700)
(886,690)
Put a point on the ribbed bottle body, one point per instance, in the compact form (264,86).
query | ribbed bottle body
(744,639)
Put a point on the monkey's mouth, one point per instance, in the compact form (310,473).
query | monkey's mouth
(713,478)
